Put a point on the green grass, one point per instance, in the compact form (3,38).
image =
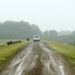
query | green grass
(67,51)
(7,51)
(3,41)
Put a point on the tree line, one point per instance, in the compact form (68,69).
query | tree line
(18,30)
(67,38)
(23,30)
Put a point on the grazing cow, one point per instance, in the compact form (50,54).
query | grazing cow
(9,43)
(19,41)
(28,39)
(15,42)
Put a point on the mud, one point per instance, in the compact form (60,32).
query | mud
(37,59)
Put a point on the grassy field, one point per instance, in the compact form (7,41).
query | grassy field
(67,51)
(6,52)
(3,41)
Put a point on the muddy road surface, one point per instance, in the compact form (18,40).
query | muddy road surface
(37,59)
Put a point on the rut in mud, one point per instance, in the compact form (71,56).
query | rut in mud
(37,59)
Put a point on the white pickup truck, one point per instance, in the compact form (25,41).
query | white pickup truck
(36,38)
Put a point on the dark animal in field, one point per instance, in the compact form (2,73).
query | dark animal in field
(19,41)
(15,42)
(28,39)
(9,43)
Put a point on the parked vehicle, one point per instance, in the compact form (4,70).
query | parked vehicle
(36,38)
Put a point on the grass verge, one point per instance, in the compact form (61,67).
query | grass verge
(67,51)
(8,52)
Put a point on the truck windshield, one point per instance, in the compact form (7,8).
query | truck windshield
(36,36)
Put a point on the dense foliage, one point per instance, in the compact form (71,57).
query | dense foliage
(18,30)
(67,38)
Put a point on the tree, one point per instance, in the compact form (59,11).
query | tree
(46,35)
(53,33)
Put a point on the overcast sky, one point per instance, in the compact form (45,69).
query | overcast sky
(47,14)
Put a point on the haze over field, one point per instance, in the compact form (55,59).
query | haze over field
(47,14)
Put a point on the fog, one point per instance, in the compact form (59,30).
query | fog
(47,14)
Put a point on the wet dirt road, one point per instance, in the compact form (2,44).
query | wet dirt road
(37,59)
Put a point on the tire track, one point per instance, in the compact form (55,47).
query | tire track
(53,63)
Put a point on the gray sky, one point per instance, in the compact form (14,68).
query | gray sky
(47,14)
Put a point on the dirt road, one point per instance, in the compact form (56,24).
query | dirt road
(37,59)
